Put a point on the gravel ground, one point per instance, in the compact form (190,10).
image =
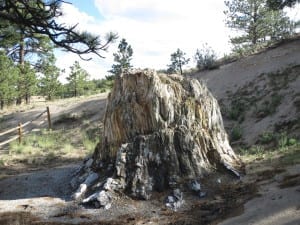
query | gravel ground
(43,197)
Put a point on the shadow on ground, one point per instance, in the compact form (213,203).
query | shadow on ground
(44,183)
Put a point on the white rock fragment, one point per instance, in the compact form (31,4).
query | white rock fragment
(91,178)
(80,191)
(99,199)
(195,186)
(175,200)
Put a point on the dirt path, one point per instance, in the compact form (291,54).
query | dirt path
(92,107)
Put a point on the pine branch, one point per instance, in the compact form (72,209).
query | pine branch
(38,17)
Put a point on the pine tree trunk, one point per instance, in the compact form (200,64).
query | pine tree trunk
(21,62)
(159,131)
(27,98)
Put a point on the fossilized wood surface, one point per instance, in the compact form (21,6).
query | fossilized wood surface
(160,130)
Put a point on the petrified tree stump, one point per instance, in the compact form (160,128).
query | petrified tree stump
(159,131)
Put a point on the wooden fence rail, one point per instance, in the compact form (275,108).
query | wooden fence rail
(20,127)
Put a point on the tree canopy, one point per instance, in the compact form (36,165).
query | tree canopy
(178,60)
(256,22)
(7,83)
(280,4)
(39,17)
(205,58)
(122,58)
(77,79)
(48,83)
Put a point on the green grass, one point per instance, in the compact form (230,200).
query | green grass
(286,154)
(39,143)
(89,144)
(255,151)
(291,155)
(266,137)
(90,138)
(45,146)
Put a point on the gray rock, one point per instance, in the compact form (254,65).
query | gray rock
(99,199)
(178,195)
(88,163)
(113,184)
(202,194)
(175,200)
(90,179)
(229,167)
(195,186)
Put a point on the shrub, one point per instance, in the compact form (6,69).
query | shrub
(292,141)
(282,140)
(206,58)
(256,150)
(237,110)
(269,107)
(266,138)
(236,133)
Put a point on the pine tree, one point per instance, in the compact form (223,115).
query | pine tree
(8,84)
(49,84)
(28,27)
(280,4)
(122,58)
(178,60)
(256,22)
(23,45)
(77,79)
(27,82)
(38,17)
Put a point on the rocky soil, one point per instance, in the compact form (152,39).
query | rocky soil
(42,197)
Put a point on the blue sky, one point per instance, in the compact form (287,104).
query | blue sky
(87,6)
(154,29)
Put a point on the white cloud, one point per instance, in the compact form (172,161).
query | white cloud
(163,26)
(294,12)
(154,29)
(96,67)
(73,16)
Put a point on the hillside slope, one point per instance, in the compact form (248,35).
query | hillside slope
(259,93)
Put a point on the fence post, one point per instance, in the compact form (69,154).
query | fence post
(49,118)
(20,133)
